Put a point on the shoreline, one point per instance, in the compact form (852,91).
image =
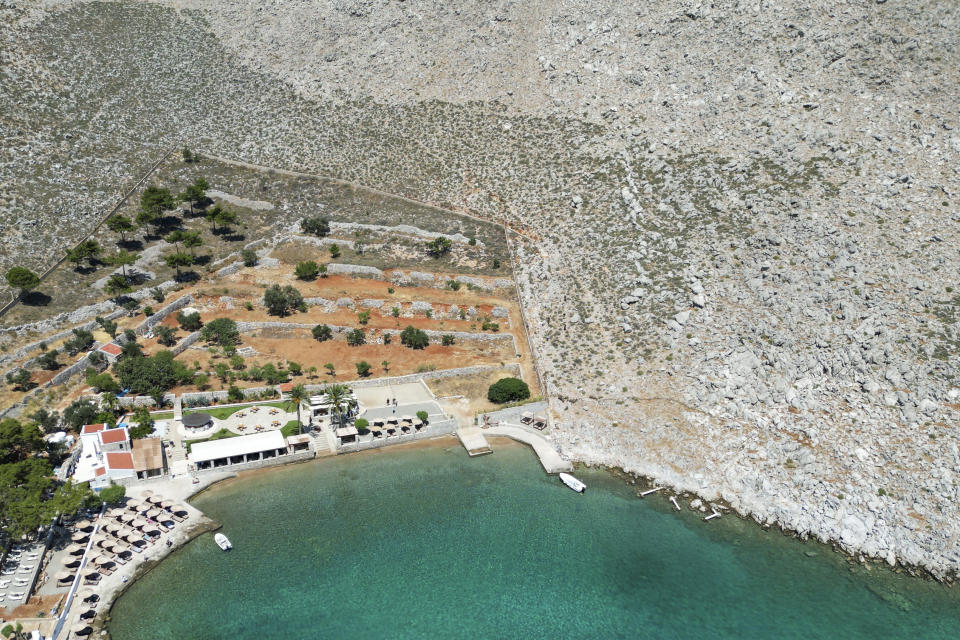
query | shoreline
(632,480)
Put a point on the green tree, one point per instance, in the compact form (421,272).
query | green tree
(20,379)
(167,336)
(386,366)
(81,341)
(88,250)
(19,441)
(218,214)
(323,270)
(249,257)
(234,394)
(188,156)
(177,260)
(222,371)
(439,246)
(281,301)
(363,368)
(157,201)
(175,237)
(23,279)
(79,413)
(14,632)
(195,193)
(122,225)
(334,250)
(48,420)
(331,370)
(123,259)
(189,321)
(295,368)
(414,338)
(447,340)
(315,226)
(103,382)
(222,331)
(192,240)
(363,317)
(113,494)
(237,362)
(322,333)
(508,390)
(337,396)
(48,360)
(423,416)
(150,375)
(107,325)
(298,394)
(116,286)
(361,424)
(356,337)
(307,270)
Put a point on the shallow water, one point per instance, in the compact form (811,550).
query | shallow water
(428,543)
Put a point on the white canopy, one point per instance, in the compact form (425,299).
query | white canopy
(239,446)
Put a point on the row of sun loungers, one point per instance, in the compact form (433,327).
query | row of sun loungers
(537,422)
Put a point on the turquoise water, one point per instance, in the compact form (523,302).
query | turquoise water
(428,543)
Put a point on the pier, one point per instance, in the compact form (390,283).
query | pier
(473,441)
(549,457)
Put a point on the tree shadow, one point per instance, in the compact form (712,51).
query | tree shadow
(202,260)
(138,277)
(36,299)
(187,276)
(234,237)
(84,270)
(130,245)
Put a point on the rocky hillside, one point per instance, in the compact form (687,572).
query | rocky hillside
(739,220)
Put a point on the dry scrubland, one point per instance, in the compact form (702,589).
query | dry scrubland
(741,221)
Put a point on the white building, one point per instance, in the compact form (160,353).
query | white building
(229,451)
(104,455)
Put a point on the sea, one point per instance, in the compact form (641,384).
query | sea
(426,542)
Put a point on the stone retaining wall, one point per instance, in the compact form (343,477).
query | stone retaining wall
(435,429)
(259,464)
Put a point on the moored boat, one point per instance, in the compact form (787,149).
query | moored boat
(572,482)
(222,541)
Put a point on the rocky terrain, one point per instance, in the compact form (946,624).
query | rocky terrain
(738,222)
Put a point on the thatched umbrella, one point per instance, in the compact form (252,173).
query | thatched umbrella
(146,493)
(166,504)
(140,523)
(113,527)
(81,629)
(134,538)
(84,525)
(75,549)
(127,531)
(89,596)
(144,508)
(179,509)
(406,418)
(121,550)
(156,499)
(150,528)
(93,559)
(134,504)
(116,513)
(128,517)
(89,613)
(91,573)
(71,561)
(153,513)
(63,576)
(80,536)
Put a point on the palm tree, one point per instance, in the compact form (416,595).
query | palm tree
(337,394)
(108,401)
(386,366)
(298,394)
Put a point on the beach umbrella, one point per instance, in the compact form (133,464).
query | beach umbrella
(91,573)
(153,513)
(81,628)
(134,538)
(75,549)
(79,536)
(83,525)
(120,550)
(146,493)
(116,513)
(144,508)
(127,517)
(406,418)
(179,509)
(93,559)
(151,527)
(71,561)
(156,499)
(63,576)
(139,522)
(166,504)
(134,504)
(89,613)
(88,596)
(110,528)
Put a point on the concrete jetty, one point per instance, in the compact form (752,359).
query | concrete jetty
(549,457)
(473,441)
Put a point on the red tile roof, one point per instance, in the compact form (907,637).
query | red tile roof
(101,470)
(110,436)
(111,348)
(286,386)
(119,460)
(93,428)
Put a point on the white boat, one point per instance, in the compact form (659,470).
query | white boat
(572,482)
(222,541)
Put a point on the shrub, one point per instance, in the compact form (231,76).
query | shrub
(334,251)
(363,317)
(453,285)
(361,424)
(234,394)
(446,340)
(356,337)
(307,270)
(414,338)
(113,494)
(48,360)
(103,382)
(249,257)
(490,326)
(237,361)
(508,390)
(158,294)
(423,415)
(363,368)
(81,340)
(295,368)
(166,336)
(496,263)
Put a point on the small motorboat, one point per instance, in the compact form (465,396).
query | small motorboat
(572,482)
(222,541)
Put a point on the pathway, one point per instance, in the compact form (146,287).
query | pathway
(549,457)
